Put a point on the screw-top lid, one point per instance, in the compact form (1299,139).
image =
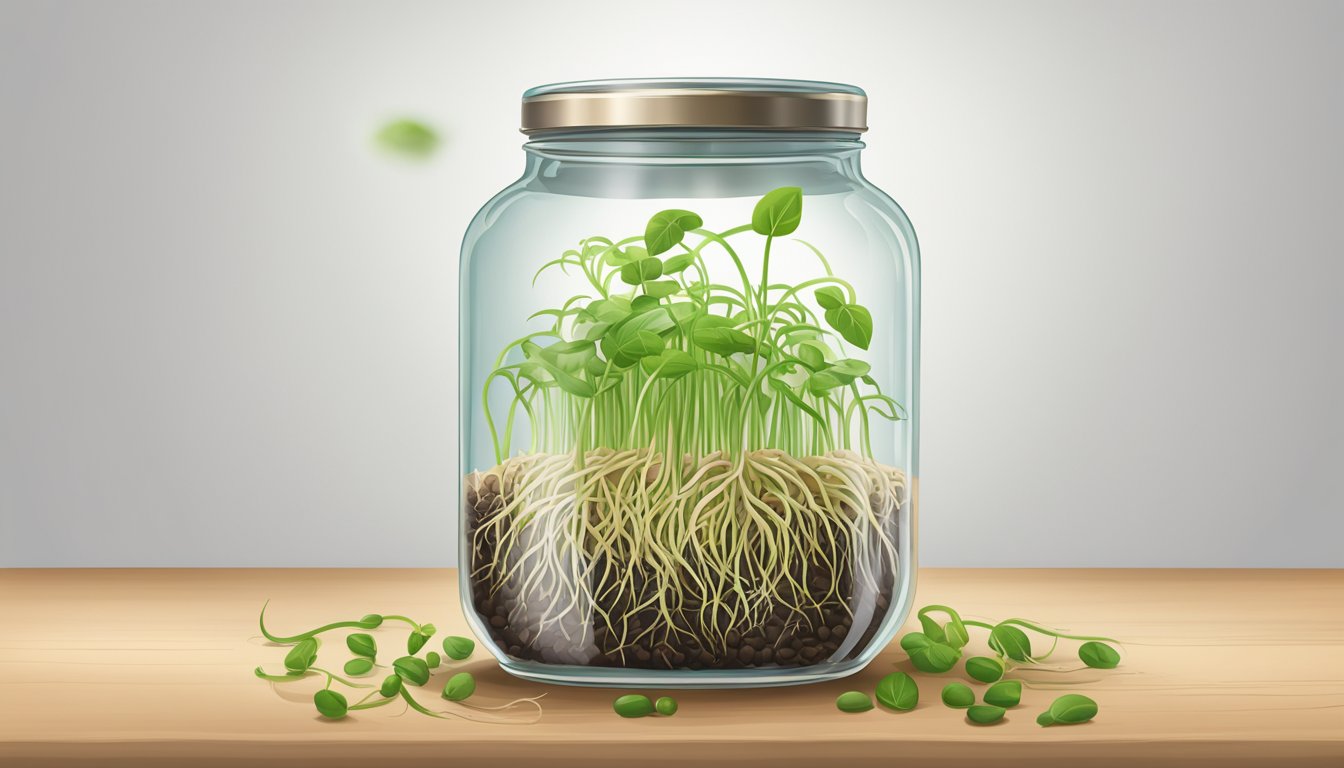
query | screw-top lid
(755,104)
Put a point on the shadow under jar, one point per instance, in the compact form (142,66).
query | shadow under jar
(689,341)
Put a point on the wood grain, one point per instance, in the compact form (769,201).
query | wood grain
(154,667)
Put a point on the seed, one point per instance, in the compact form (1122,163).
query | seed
(853,701)
(958,696)
(984,714)
(633,705)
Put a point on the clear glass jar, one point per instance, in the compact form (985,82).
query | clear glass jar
(689,373)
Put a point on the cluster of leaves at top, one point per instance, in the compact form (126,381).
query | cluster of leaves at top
(938,648)
(620,365)
(406,671)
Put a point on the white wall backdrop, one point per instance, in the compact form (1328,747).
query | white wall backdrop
(227,326)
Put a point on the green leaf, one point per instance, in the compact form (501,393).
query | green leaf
(410,138)
(958,695)
(928,655)
(362,644)
(898,691)
(412,669)
(984,668)
(661,289)
(642,304)
(932,629)
(822,382)
(459,687)
(331,704)
(811,355)
(569,383)
(359,666)
(779,212)
(678,263)
(853,701)
(984,714)
(370,621)
(957,637)
(627,346)
(632,705)
(433,659)
(618,258)
(667,228)
(830,297)
(569,356)
(853,323)
(853,369)
(458,648)
(417,639)
(391,686)
(1005,693)
(302,655)
(1099,655)
(641,271)
(612,310)
(671,364)
(1045,719)
(1069,709)
(721,340)
(1010,641)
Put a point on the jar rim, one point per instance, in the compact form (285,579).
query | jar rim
(726,103)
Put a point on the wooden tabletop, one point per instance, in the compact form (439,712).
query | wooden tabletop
(154,667)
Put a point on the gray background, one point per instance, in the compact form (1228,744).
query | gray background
(228,327)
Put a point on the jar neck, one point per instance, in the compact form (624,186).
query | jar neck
(701,145)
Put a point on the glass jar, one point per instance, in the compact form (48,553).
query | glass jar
(689,372)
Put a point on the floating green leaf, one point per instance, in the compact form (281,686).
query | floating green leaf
(410,138)
(898,691)
(459,687)
(411,669)
(1098,655)
(984,714)
(927,655)
(984,668)
(458,648)
(362,644)
(667,228)
(779,212)
(1069,709)
(958,695)
(331,704)
(633,705)
(853,701)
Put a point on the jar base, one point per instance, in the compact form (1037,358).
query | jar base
(609,677)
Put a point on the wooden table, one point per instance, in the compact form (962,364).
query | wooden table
(154,667)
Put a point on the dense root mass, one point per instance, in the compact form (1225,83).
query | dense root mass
(763,559)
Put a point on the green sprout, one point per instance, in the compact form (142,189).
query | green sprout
(699,442)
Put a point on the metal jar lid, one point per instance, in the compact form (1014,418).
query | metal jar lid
(760,104)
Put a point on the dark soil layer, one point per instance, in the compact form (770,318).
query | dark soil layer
(830,628)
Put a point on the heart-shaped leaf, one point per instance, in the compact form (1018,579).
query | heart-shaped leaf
(830,297)
(928,655)
(667,228)
(641,271)
(898,691)
(779,212)
(853,322)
